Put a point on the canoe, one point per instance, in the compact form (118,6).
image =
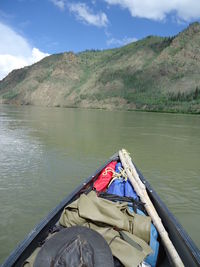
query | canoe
(186,248)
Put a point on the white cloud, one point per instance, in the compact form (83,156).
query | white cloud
(120,42)
(85,14)
(15,51)
(37,55)
(59,3)
(185,10)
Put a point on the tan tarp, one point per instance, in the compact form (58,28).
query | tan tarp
(107,218)
(113,221)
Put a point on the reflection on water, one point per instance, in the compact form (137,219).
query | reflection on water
(46,152)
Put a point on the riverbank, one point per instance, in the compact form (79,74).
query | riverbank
(187,109)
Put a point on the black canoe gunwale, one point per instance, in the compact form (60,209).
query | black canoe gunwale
(186,248)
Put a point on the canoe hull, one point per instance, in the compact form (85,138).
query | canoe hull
(184,245)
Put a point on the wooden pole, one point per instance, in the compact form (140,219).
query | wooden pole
(142,193)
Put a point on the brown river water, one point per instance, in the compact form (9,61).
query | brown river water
(46,152)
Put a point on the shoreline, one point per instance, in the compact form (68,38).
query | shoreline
(106,109)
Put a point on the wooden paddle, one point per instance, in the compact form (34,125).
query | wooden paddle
(142,193)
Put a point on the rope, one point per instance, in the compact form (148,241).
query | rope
(107,170)
(116,175)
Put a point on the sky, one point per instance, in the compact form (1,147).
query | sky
(33,29)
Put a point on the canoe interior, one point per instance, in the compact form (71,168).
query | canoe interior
(186,248)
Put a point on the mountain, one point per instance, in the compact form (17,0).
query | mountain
(153,74)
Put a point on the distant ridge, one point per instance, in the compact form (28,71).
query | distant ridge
(152,74)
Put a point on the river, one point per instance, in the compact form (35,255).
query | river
(46,152)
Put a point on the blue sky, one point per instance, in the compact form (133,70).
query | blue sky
(32,29)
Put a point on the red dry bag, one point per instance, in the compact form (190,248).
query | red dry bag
(105,176)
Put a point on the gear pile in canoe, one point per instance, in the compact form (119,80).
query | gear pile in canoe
(114,218)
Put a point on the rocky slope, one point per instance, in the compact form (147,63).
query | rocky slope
(156,73)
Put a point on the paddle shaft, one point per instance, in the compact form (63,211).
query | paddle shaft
(142,193)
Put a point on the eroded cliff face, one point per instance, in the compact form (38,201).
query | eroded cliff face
(159,74)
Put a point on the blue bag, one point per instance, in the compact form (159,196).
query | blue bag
(154,244)
(129,191)
(117,187)
(118,167)
(121,187)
